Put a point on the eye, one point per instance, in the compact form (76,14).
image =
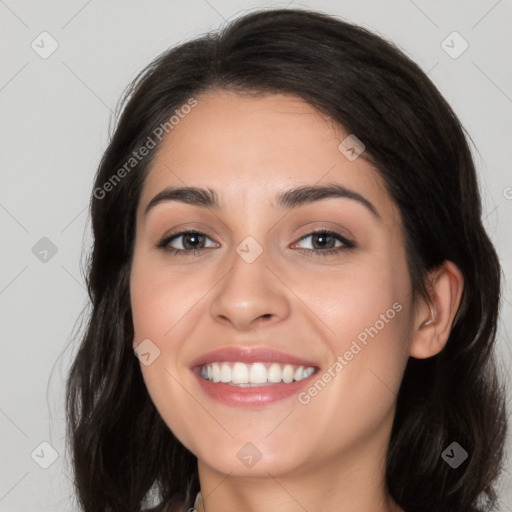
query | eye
(324,242)
(189,242)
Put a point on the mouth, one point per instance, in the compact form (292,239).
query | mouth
(252,377)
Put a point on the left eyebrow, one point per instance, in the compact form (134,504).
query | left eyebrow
(307,194)
(292,198)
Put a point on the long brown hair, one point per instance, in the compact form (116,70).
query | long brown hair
(121,448)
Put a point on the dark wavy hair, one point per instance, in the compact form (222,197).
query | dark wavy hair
(122,451)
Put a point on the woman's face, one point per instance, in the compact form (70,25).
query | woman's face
(255,283)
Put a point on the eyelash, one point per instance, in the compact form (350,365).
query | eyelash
(347,244)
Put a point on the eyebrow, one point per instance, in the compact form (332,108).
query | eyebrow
(292,198)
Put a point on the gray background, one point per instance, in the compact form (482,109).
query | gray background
(55,116)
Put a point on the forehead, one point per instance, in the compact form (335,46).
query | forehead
(249,147)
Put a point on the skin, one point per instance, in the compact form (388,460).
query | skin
(328,454)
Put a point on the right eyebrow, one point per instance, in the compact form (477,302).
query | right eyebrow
(205,197)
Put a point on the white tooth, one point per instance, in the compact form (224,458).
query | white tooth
(240,374)
(288,373)
(225,373)
(215,372)
(258,374)
(308,371)
(274,373)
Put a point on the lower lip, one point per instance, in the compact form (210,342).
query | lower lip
(251,396)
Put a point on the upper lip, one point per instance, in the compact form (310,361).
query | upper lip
(250,355)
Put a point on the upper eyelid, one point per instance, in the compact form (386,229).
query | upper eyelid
(166,239)
(183,231)
(345,240)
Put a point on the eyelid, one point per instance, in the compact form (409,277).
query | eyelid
(325,226)
(169,237)
(346,242)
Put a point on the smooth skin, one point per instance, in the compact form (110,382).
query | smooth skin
(329,454)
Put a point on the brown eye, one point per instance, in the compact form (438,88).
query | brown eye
(191,242)
(324,242)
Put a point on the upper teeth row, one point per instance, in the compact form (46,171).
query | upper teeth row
(255,373)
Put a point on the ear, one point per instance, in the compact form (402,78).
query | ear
(434,318)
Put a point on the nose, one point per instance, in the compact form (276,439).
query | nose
(250,294)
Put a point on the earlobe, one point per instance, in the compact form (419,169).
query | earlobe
(434,318)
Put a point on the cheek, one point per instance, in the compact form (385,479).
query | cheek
(159,303)
(357,299)
(160,298)
(366,314)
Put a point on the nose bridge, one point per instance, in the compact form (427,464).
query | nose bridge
(251,262)
(249,291)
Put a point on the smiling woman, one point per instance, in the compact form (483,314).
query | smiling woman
(301,269)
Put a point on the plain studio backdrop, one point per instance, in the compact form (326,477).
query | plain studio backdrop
(64,67)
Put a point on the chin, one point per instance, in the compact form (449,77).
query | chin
(247,459)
